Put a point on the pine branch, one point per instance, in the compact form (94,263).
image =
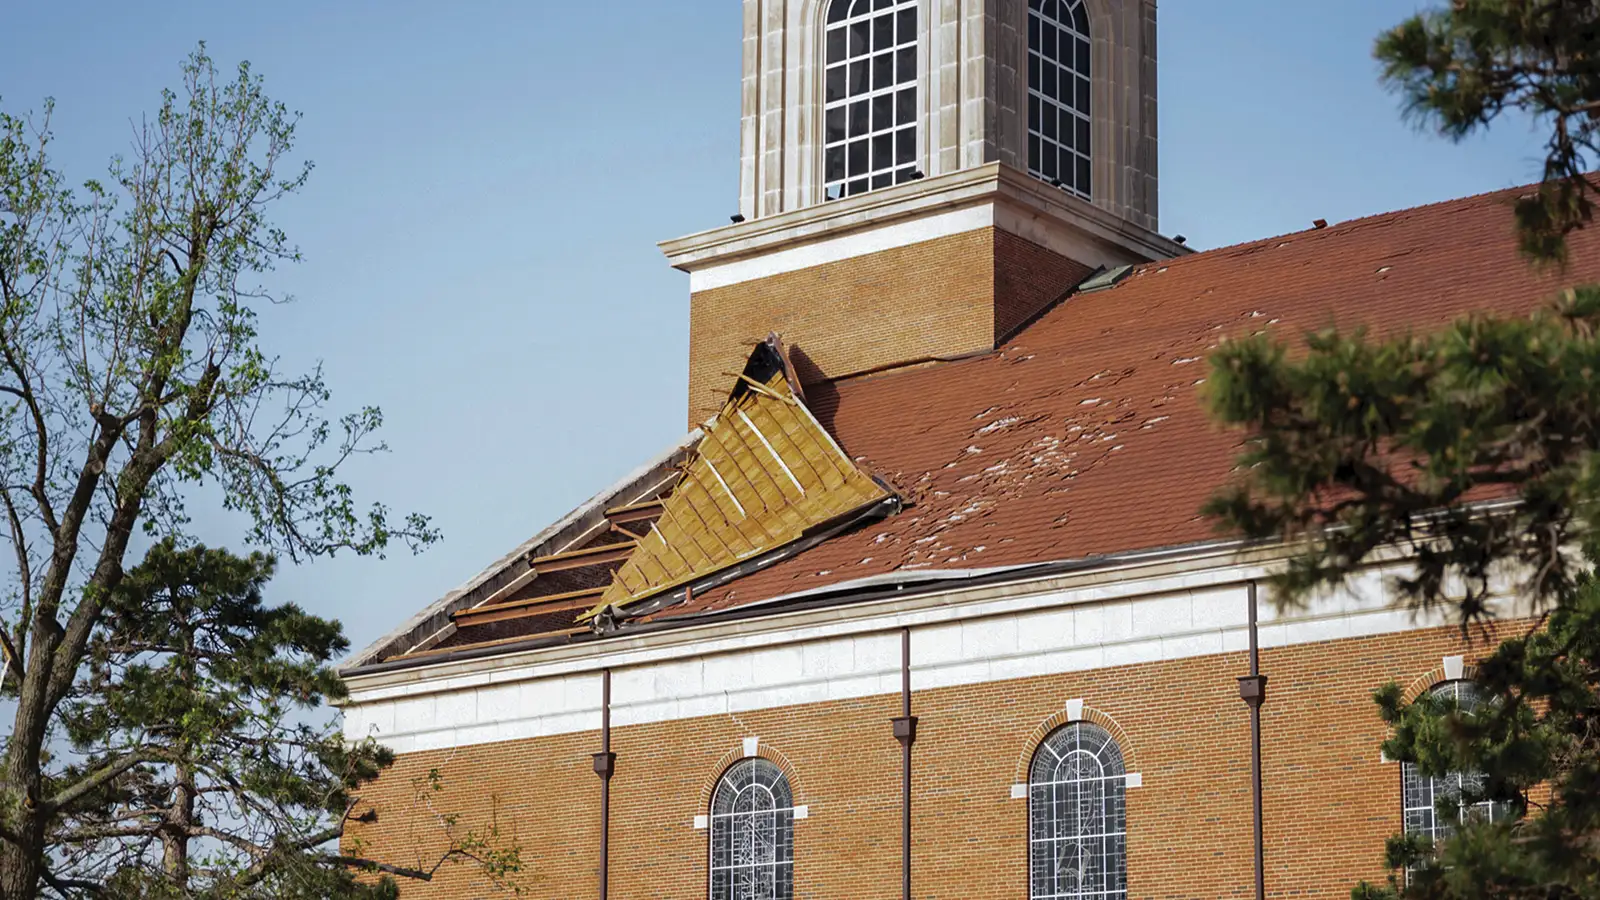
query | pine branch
(103,776)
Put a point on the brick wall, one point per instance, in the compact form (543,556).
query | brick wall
(1027,278)
(1330,801)
(942,297)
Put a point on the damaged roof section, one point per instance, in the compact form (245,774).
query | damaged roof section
(760,482)
(547,582)
(766,475)
(1080,438)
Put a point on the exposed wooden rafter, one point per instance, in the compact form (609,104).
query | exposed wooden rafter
(636,512)
(588,556)
(523,608)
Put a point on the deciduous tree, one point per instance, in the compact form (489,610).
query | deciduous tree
(132,381)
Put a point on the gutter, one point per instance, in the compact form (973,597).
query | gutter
(915,584)
(905,731)
(605,765)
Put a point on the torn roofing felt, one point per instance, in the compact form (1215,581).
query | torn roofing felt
(766,474)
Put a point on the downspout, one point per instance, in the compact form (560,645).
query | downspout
(1253,691)
(605,762)
(905,731)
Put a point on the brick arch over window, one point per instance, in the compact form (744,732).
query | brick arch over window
(1436,676)
(708,786)
(1044,729)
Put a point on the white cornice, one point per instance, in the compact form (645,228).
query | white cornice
(986,195)
(1134,611)
(1129,578)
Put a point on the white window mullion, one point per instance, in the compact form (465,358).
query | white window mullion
(876,147)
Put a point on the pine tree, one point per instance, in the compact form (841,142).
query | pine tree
(244,788)
(1461,66)
(1476,453)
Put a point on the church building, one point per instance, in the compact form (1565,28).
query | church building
(922,605)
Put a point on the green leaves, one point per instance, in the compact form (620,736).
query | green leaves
(132,382)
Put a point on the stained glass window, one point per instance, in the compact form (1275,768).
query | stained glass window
(1423,796)
(752,834)
(1058,93)
(1077,816)
(870,96)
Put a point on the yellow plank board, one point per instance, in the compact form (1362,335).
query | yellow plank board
(765,475)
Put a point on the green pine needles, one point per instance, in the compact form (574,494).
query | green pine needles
(1473,453)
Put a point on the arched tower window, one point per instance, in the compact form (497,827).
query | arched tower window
(1058,93)
(870,101)
(752,834)
(1422,795)
(1077,816)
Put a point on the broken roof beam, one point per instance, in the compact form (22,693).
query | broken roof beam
(498,642)
(636,512)
(764,476)
(533,606)
(588,556)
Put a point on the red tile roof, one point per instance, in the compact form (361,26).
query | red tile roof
(1084,435)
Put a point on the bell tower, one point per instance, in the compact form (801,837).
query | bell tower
(918,178)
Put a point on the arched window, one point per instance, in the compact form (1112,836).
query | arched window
(870,101)
(752,834)
(1077,816)
(1058,93)
(1422,795)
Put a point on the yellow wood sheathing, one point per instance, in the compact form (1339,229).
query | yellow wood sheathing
(765,474)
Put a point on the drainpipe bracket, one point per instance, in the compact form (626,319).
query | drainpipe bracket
(1253,690)
(905,729)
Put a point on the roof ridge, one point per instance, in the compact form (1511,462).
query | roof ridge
(1335,227)
(1017,334)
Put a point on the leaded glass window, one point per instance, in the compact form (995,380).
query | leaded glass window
(1058,93)
(1431,804)
(1077,816)
(752,834)
(870,96)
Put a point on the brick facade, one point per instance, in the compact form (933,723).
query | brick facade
(938,298)
(1330,800)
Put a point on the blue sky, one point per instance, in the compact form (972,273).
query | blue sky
(491,179)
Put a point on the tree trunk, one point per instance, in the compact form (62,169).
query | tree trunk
(175,832)
(19,866)
(21,863)
(180,816)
